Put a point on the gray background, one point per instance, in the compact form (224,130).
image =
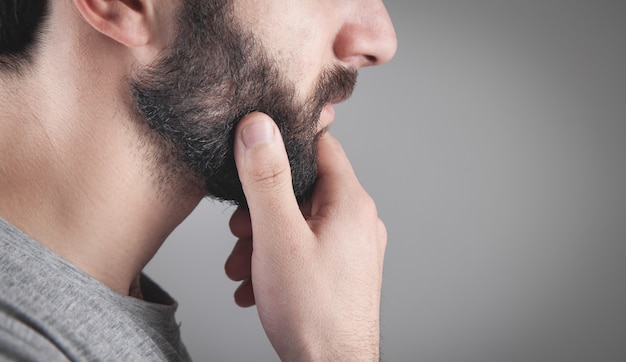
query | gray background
(495,146)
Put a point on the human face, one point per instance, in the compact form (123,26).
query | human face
(308,36)
(216,72)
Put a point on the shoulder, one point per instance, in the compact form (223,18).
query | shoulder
(21,341)
(50,310)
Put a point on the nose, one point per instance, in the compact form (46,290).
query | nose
(367,37)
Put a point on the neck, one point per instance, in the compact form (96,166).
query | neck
(76,175)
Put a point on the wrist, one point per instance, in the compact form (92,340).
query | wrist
(360,343)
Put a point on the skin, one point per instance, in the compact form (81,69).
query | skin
(195,108)
(75,172)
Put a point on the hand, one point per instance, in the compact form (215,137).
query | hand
(316,280)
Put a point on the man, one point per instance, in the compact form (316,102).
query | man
(119,116)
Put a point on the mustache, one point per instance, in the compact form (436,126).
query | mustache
(336,84)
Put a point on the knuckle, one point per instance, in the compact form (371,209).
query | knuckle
(382,233)
(368,207)
(371,220)
(382,228)
(270,177)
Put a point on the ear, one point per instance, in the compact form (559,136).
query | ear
(125,21)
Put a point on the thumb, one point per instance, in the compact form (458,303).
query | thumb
(265,175)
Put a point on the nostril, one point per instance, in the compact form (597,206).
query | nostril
(371,59)
(368,38)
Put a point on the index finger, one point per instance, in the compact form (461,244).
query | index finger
(336,180)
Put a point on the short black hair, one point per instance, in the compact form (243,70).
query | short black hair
(20,26)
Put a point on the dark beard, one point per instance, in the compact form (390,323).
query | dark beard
(213,75)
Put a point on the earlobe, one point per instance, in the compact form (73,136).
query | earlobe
(125,21)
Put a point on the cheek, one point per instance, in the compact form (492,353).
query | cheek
(303,55)
(306,74)
(304,69)
(297,35)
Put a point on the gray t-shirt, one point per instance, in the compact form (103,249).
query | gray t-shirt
(52,311)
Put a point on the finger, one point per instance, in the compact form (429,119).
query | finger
(238,263)
(244,295)
(336,180)
(382,239)
(240,224)
(333,163)
(305,208)
(265,175)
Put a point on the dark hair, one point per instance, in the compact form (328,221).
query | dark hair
(20,26)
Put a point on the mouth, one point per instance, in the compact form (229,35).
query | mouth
(327,116)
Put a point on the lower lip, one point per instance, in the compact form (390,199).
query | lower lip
(329,111)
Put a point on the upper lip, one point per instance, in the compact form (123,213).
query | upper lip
(338,100)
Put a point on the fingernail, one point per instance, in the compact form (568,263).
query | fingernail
(260,131)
